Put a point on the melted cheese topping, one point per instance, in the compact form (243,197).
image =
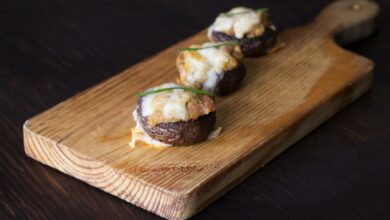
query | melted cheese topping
(204,68)
(174,105)
(242,22)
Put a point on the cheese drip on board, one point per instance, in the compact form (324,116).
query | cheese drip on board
(204,68)
(241,22)
(138,134)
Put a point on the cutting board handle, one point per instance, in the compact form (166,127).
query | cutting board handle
(348,20)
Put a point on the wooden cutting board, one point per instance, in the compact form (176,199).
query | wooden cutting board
(285,95)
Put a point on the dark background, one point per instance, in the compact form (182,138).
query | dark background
(52,49)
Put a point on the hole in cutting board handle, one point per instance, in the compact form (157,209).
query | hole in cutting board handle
(349,20)
(355,7)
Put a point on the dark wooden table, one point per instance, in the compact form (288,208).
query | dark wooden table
(50,50)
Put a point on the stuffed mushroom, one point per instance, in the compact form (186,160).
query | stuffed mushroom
(173,115)
(252,28)
(214,67)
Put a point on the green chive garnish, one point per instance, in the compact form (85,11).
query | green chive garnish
(186,88)
(244,12)
(218,45)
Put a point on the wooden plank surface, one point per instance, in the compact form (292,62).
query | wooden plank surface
(286,94)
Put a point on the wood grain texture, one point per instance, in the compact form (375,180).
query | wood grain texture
(51,50)
(285,95)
